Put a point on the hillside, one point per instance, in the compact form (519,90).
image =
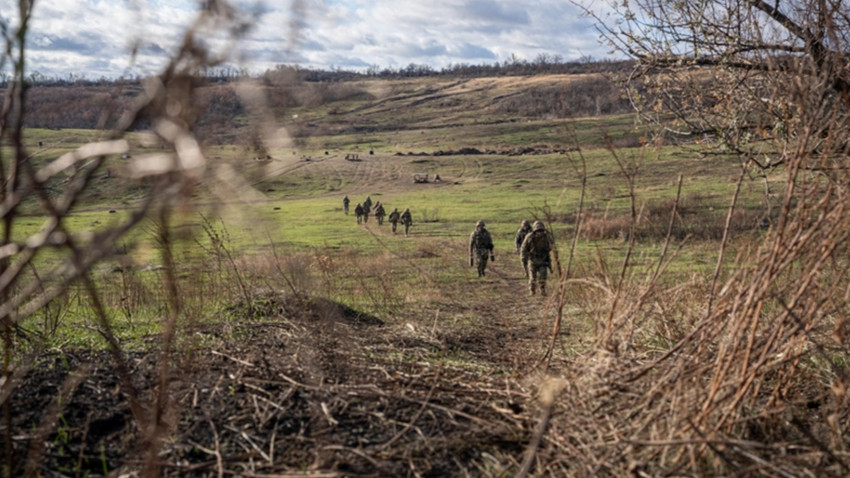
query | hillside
(351,107)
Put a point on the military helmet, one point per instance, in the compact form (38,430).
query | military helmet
(526,223)
(538,226)
(479,224)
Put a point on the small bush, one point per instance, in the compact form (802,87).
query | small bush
(693,218)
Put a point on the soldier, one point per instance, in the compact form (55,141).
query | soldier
(524,230)
(535,250)
(480,247)
(358,211)
(394,217)
(367,204)
(380,213)
(407,220)
(345,202)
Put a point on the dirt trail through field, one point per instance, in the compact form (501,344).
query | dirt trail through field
(504,310)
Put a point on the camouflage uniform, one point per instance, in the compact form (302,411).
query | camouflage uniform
(358,211)
(380,213)
(523,231)
(407,220)
(394,217)
(480,247)
(367,208)
(345,202)
(535,250)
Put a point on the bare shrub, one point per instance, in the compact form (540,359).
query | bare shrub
(596,228)
(745,380)
(693,219)
(169,104)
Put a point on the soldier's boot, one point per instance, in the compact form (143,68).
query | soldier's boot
(543,289)
(532,288)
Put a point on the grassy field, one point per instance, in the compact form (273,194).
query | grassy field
(291,206)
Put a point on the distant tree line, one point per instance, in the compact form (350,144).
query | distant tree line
(543,64)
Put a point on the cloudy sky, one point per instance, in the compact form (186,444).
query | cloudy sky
(94,38)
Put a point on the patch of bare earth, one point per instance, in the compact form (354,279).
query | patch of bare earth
(310,388)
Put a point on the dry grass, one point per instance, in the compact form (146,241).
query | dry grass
(693,219)
(691,378)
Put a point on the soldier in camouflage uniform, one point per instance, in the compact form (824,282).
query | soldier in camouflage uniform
(380,213)
(535,250)
(367,208)
(394,218)
(345,202)
(407,220)
(524,230)
(358,211)
(480,248)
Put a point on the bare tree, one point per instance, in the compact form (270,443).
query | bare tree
(741,73)
(746,380)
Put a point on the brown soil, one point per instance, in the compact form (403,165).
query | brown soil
(310,388)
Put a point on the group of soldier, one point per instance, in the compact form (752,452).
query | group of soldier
(533,244)
(363,210)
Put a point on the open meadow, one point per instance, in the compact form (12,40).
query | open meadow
(258,330)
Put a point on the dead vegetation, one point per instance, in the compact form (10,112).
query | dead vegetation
(325,392)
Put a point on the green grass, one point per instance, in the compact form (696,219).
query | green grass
(300,213)
(293,233)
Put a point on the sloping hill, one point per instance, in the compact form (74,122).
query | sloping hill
(357,106)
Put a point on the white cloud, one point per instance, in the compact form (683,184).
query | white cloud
(93,38)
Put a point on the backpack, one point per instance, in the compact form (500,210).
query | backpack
(482,240)
(539,245)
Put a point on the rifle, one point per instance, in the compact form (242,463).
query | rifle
(471,261)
